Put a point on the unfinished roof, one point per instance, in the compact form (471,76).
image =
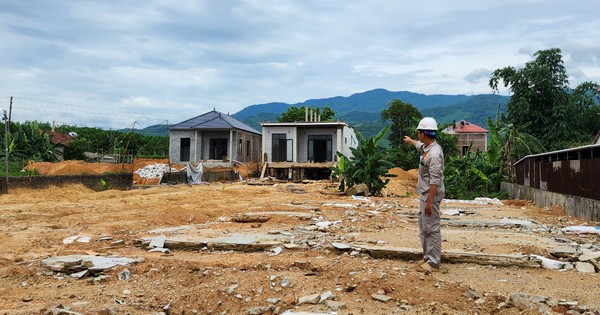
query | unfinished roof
(465,127)
(305,124)
(213,120)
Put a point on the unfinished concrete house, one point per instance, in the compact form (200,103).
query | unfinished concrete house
(305,149)
(468,134)
(213,136)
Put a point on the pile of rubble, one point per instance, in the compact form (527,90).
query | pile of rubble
(154,170)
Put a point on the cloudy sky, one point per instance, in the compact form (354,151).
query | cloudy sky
(124,63)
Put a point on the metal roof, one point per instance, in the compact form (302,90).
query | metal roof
(591,146)
(213,120)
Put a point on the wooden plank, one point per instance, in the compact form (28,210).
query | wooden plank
(262,174)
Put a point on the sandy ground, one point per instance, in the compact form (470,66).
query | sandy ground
(35,223)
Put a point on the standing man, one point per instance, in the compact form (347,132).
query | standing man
(430,189)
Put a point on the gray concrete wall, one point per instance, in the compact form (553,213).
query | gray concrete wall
(583,208)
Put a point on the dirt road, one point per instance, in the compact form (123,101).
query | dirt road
(301,267)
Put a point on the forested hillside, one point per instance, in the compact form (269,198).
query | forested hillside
(363,110)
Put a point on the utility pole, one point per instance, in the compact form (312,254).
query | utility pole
(5,119)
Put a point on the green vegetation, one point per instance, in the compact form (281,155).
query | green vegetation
(31,141)
(367,165)
(294,113)
(544,106)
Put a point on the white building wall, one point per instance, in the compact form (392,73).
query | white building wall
(349,140)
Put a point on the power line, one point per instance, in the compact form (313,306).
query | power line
(86,111)
(81,106)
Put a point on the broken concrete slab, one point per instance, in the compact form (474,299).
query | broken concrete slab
(504,223)
(77,263)
(585,267)
(172,229)
(381,297)
(158,242)
(589,256)
(249,217)
(563,252)
(239,242)
(309,299)
(341,246)
(299,215)
(451,256)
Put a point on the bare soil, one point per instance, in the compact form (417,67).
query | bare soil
(35,223)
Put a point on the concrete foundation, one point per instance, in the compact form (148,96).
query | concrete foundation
(121,181)
(582,208)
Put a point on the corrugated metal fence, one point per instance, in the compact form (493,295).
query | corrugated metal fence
(573,172)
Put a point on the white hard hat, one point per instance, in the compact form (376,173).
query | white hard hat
(427,123)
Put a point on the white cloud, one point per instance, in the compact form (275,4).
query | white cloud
(156,60)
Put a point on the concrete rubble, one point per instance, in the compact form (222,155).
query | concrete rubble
(154,170)
(317,233)
(75,264)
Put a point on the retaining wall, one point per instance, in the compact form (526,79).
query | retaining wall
(583,208)
(120,181)
(207,176)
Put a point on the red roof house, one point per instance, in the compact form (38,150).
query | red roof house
(468,134)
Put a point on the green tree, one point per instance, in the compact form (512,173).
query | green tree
(542,100)
(403,117)
(30,140)
(294,113)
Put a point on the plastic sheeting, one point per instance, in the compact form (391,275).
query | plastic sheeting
(194,173)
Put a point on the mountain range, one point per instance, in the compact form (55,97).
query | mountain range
(363,110)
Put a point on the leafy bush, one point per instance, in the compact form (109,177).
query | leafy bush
(367,165)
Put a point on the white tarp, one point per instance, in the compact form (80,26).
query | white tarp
(194,173)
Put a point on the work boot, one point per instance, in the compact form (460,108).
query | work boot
(426,268)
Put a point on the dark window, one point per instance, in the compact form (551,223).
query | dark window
(184,151)
(320,148)
(217,149)
(248,147)
(279,148)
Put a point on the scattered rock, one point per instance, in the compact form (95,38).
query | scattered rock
(158,241)
(358,190)
(585,267)
(589,256)
(563,252)
(309,299)
(381,297)
(335,305)
(124,275)
(341,246)
(258,310)
(250,217)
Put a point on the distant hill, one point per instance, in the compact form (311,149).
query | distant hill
(154,130)
(363,110)
(369,101)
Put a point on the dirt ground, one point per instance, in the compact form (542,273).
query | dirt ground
(35,224)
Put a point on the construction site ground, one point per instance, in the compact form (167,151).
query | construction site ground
(315,259)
